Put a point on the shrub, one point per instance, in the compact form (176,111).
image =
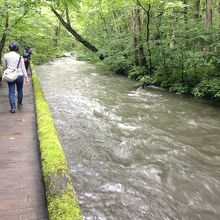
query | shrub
(137,73)
(180,88)
(208,88)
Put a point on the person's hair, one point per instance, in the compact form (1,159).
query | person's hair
(13,46)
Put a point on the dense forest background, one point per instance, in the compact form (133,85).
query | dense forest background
(167,43)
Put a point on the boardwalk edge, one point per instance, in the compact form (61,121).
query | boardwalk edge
(61,199)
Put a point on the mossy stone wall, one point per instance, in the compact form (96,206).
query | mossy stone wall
(61,199)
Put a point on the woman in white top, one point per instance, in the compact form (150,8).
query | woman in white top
(11,59)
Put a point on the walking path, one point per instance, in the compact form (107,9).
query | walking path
(22,195)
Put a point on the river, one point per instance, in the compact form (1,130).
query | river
(134,153)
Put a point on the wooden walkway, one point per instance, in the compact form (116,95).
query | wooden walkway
(22,195)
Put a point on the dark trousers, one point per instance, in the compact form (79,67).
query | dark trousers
(27,64)
(11,91)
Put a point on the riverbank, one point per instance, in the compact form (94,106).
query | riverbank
(204,85)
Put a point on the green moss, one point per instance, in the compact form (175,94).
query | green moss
(63,210)
(61,199)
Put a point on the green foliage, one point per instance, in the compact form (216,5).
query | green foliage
(137,73)
(37,29)
(208,88)
(180,88)
(46,56)
(181,53)
(62,203)
(150,80)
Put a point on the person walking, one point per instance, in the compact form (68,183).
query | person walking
(27,57)
(11,59)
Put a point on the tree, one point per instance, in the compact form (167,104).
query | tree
(4,34)
(197,9)
(140,59)
(8,7)
(170,43)
(208,17)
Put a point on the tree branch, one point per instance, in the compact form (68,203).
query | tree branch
(20,18)
(67,14)
(75,34)
(139,4)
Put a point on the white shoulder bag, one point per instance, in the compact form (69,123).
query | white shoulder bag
(11,74)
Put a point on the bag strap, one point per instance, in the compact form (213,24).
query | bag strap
(19,62)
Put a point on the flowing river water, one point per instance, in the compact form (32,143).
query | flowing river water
(134,153)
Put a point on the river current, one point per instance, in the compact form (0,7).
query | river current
(134,153)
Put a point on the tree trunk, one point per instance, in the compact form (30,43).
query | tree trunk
(102,16)
(78,37)
(185,13)
(105,26)
(4,35)
(158,34)
(218,12)
(208,18)
(57,30)
(140,59)
(148,38)
(136,55)
(197,10)
(117,28)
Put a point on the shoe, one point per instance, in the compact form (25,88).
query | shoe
(12,110)
(19,106)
